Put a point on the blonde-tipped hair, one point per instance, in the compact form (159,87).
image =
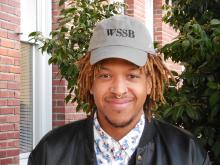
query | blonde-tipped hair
(154,67)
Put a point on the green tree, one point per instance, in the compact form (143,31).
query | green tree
(196,104)
(71,39)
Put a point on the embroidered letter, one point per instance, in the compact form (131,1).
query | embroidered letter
(121,33)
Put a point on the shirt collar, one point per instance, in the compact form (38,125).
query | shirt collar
(109,150)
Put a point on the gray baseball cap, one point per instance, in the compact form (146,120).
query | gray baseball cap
(122,37)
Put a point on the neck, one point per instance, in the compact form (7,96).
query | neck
(118,133)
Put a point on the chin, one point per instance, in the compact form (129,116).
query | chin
(119,123)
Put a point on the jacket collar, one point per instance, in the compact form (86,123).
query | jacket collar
(147,136)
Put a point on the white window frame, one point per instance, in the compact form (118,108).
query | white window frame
(38,17)
(149,17)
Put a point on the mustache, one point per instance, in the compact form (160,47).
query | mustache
(114,96)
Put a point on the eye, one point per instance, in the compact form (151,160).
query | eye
(104,76)
(133,76)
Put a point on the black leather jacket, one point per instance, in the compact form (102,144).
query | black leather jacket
(160,144)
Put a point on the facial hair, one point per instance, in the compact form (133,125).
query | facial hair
(119,125)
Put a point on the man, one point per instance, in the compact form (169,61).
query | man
(121,78)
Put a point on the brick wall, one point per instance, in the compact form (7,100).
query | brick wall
(164,34)
(136,8)
(9,81)
(62,113)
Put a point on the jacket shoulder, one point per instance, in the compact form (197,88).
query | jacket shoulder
(172,130)
(72,129)
(181,142)
(60,141)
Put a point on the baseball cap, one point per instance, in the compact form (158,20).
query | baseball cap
(120,36)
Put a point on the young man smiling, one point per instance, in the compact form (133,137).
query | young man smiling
(122,79)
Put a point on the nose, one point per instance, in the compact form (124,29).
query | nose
(119,87)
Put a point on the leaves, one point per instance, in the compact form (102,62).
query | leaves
(70,40)
(196,105)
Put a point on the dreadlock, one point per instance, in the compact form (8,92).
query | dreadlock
(154,67)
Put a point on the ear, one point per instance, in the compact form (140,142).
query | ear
(91,91)
(149,85)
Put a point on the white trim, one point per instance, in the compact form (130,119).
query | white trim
(28,15)
(34,92)
(24,158)
(43,96)
(43,77)
(149,17)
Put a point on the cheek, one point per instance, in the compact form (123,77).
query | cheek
(142,90)
(98,91)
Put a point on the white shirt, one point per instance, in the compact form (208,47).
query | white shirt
(111,152)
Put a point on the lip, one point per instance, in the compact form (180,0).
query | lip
(118,103)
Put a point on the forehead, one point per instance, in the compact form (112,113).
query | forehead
(112,62)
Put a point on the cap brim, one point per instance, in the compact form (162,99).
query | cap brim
(136,56)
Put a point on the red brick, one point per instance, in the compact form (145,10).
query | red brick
(58,109)
(6,93)
(13,85)
(8,26)
(17,127)
(6,127)
(17,61)
(3,84)
(17,77)
(9,119)
(14,3)
(61,89)
(4,1)
(14,135)
(13,102)
(3,34)
(9,69)
(7,43)
(61,102)
(9,18)
(13,53)
(8,9)
(6,60)
(6,110)
(17,94)
(12,152)
(17,110)
(3,153)
(3,102)
(3,51)
(10,160)
(3,144)
(58,96)
(14,143)
(13,36)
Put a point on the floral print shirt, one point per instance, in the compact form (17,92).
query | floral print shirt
(111,152)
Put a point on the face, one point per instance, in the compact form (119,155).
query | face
(120,89)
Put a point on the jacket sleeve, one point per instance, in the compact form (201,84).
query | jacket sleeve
(30,160)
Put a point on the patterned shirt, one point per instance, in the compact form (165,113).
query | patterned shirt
(112,152)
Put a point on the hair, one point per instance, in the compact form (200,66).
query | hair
(154,67)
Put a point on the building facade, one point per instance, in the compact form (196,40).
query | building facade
(31,92)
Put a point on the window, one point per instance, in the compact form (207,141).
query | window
(36,77)
(26,98)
